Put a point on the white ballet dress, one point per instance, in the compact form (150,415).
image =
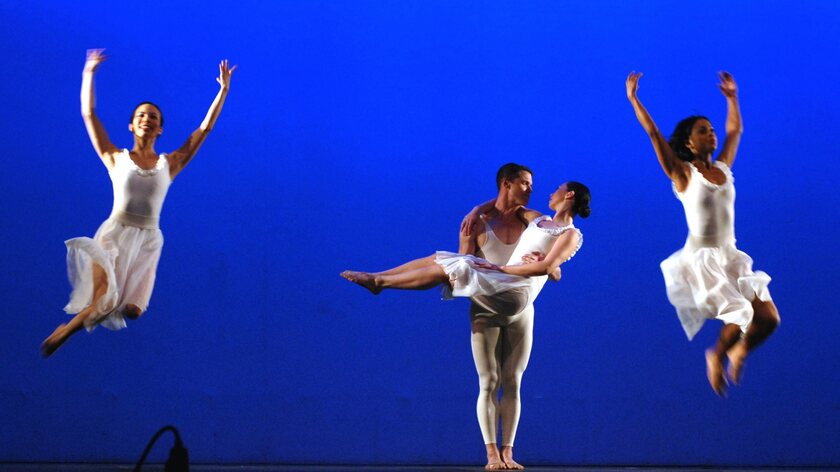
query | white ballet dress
(127,245)
(469,280)
(709,277)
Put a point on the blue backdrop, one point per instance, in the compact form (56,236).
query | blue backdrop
(356,135)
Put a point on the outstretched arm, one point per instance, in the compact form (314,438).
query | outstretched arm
(734,127)
(96,132)
(674,168)
(180,158)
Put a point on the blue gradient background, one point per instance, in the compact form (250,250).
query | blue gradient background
(356,135)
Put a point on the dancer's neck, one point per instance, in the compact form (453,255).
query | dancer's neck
(563,218)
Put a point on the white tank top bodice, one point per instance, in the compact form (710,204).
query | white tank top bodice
(537,238)
(139,193)
(709,208)
(493,249)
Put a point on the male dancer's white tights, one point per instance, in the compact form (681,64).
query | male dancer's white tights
(501,347)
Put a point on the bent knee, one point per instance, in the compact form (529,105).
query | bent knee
(488,383)
(766,314)
(132,312)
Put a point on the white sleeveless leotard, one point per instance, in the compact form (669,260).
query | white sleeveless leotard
(709,277)
(127,245)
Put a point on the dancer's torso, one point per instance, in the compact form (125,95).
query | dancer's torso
(493,249)
(709,208)
(535,238)
(138,193)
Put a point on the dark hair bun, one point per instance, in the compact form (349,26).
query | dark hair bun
(584,212)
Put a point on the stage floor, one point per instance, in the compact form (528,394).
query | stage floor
(44,467)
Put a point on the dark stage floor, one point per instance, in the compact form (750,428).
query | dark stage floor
(7,467)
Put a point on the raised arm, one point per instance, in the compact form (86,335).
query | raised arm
(674,168)
(562,250)
(180,158)
(96,132)
(734,127)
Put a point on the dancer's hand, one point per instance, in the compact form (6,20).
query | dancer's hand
(487,265)
(727,85)
(533,256)
(225,71)
(469,222)
(95,57)
(632,84)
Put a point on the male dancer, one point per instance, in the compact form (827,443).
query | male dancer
(501,344)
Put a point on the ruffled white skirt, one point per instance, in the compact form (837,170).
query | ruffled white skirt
(713,282)
(129,256)
(495,291)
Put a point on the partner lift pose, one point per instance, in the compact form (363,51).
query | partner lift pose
(502,310)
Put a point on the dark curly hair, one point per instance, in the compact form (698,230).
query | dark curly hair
(679,138)
(582,198)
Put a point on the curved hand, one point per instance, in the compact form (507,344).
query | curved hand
(95,58)
(727,85)
(533,256)
(632,84)
(469,222)
(225,71)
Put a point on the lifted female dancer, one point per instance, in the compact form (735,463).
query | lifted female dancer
(471,276)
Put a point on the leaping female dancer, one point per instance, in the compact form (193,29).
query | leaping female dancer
(709,277)
(113,274)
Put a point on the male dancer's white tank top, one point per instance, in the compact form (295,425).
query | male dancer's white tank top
(508,303)
(139,193)
(494,250)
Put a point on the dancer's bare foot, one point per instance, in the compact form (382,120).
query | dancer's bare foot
(54,341)
(494,460)
(507,457)
(737,356)
(364,279)
(714,372)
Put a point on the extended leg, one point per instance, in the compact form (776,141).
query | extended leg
(485,348)
(64,331)
(410,265)
(765,321)
(425,275)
